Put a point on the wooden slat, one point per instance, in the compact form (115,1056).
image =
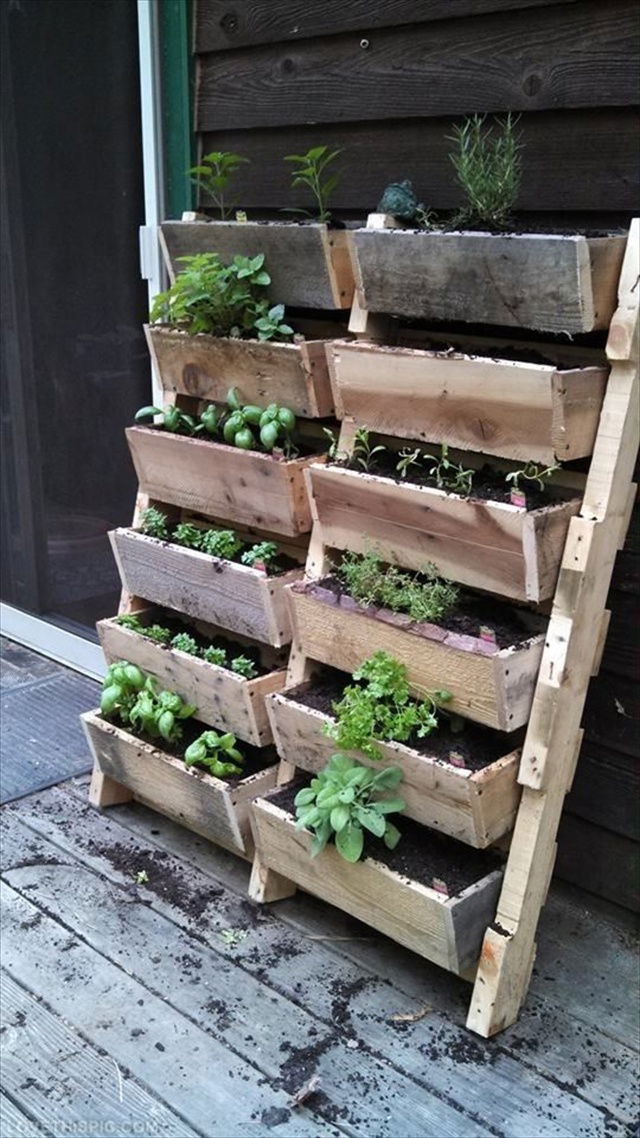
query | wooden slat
(218,26)
(293,375)
(232,596)
(437,795)
(248,487)
(440,69)
(523,411)
(601,176)
(606,790)
(599,861)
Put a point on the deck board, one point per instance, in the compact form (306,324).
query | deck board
(555,1073)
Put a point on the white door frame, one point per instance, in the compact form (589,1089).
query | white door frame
(39,633)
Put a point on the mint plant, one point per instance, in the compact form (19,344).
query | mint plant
(422,596)
(217,752)
(154,523)
(271,326)
(183,642)
(311,171)
(342,802)
(380,708)
(208,296)
(223,543)
(174,420)
(489,170)
(213,175)
(261,555)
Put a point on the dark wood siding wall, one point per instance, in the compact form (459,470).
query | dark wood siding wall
(385,80)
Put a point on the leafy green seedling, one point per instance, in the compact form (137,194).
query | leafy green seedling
(342,802)
(532,472)
(271,326)
(215,656)
(158,633)
(363,452)
(217,752)
(449,475)
(408,460)
(154,523)
(489,169)
(208,296)
(120,689)
(183,642)
(311,171)
(131,621)
(380,708)
(422,596)
(233,936)
(261,556)
(223,543)
(158,714)
(141,877)
(213,175)
(209,421)
(188,535)
(173,419)
(276,424)
(243,666)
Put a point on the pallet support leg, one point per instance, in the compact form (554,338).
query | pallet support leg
(105,791)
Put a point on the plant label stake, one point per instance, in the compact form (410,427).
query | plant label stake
(488,634)
(456,759)
(440,886)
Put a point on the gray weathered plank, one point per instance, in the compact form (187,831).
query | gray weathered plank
(62,1082)
(15,1124)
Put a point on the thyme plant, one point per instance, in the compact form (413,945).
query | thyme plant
(422,596)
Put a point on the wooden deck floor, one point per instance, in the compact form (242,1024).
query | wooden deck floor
(172,1006)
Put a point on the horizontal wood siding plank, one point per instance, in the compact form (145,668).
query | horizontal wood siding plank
(606,790)
(546,58)
(219,25)
(595,150)
(604,863)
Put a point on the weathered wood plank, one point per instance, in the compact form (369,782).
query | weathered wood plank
(301,958)
(600,861)
(598,177)
(232,596)
(494,689)
(578,43)
(34,945)
(443,797)
(612,712)
(521,411)
(606,792)
(309,264)
(13,1123)
(494,546)
(64,1084)
(190,796)
(547,282)
(293,375)
(271,21)
(412,914)
(247,487)
(223,698)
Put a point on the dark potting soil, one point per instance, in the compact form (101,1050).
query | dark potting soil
(488,485)
(477,746)
(255,758)
(304,446)
(469,614)
(232,648)
(282,564)
(491,353)
(421,854)
(514,227)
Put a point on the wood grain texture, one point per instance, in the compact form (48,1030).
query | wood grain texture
(309,264)
(232,596)
(207,805)
(606,790)
(595,149)
(293,375)
(223,699)
(528,281)
(244,486)
(437,794)
(493,546)
(219,26)
(522,411)
(495,689)
(412,914)
(541,58)
(600,861)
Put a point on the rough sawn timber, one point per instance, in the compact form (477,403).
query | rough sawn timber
(544,281)
(553,738)
(223,698)
(475,807)
(489,685)
(209,806)
(494,546)
(221,481)
(446,930)
(522,411)
(235,597)
(292,375)
(309,263)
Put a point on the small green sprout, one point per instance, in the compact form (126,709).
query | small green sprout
(363,452)
(271,326)
(183,642)
(131,621)
(158,633)
(173,419)
(188,535)
(310,171)
(217,752)
(223,543)
(532,472)
(216,656)
(243,666)
(408,459)
(260,556)
(154,523)
(212,177)
(449,475)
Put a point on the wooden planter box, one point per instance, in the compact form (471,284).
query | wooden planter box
(476,807)
(206,367)
(446,930)
(220,481)
(209,806)
(522,411)
(492,546)
(223,698)
(309,264)
(232,596)
(490,685)
(550,282)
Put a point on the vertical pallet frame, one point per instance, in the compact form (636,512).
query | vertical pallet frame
(573,647)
